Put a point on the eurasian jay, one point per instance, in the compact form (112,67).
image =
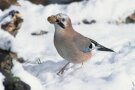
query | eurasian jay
(71,45)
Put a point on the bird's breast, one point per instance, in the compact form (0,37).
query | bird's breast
(67,49)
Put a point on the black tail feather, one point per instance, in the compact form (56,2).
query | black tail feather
(101,47)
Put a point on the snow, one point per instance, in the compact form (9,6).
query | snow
(104,71)
(6,40)
(1,82)
(26,77)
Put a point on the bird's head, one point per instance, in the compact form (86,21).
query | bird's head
(61,21)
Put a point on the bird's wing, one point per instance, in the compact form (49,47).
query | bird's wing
(84,44)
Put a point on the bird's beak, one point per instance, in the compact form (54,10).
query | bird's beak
(102,48)
(52,19)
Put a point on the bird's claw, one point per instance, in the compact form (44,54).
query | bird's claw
(61,71)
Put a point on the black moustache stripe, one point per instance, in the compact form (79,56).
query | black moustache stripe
(60,24)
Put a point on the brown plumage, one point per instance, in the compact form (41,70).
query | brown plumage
(71,45)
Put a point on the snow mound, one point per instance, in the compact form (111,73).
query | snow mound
(26,77)
(1,81)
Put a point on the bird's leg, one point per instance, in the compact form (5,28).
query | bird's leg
(62,69)
(82,65)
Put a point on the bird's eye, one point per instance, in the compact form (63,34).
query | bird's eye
(90,46)
(63,19)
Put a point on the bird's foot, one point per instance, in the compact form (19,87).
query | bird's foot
(82,65)
(62,69)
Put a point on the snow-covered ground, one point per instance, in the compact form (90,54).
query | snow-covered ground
(104,71)
(1,81)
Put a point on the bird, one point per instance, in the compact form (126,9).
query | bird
(70,44)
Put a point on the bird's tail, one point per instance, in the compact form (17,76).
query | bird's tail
(101,47)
